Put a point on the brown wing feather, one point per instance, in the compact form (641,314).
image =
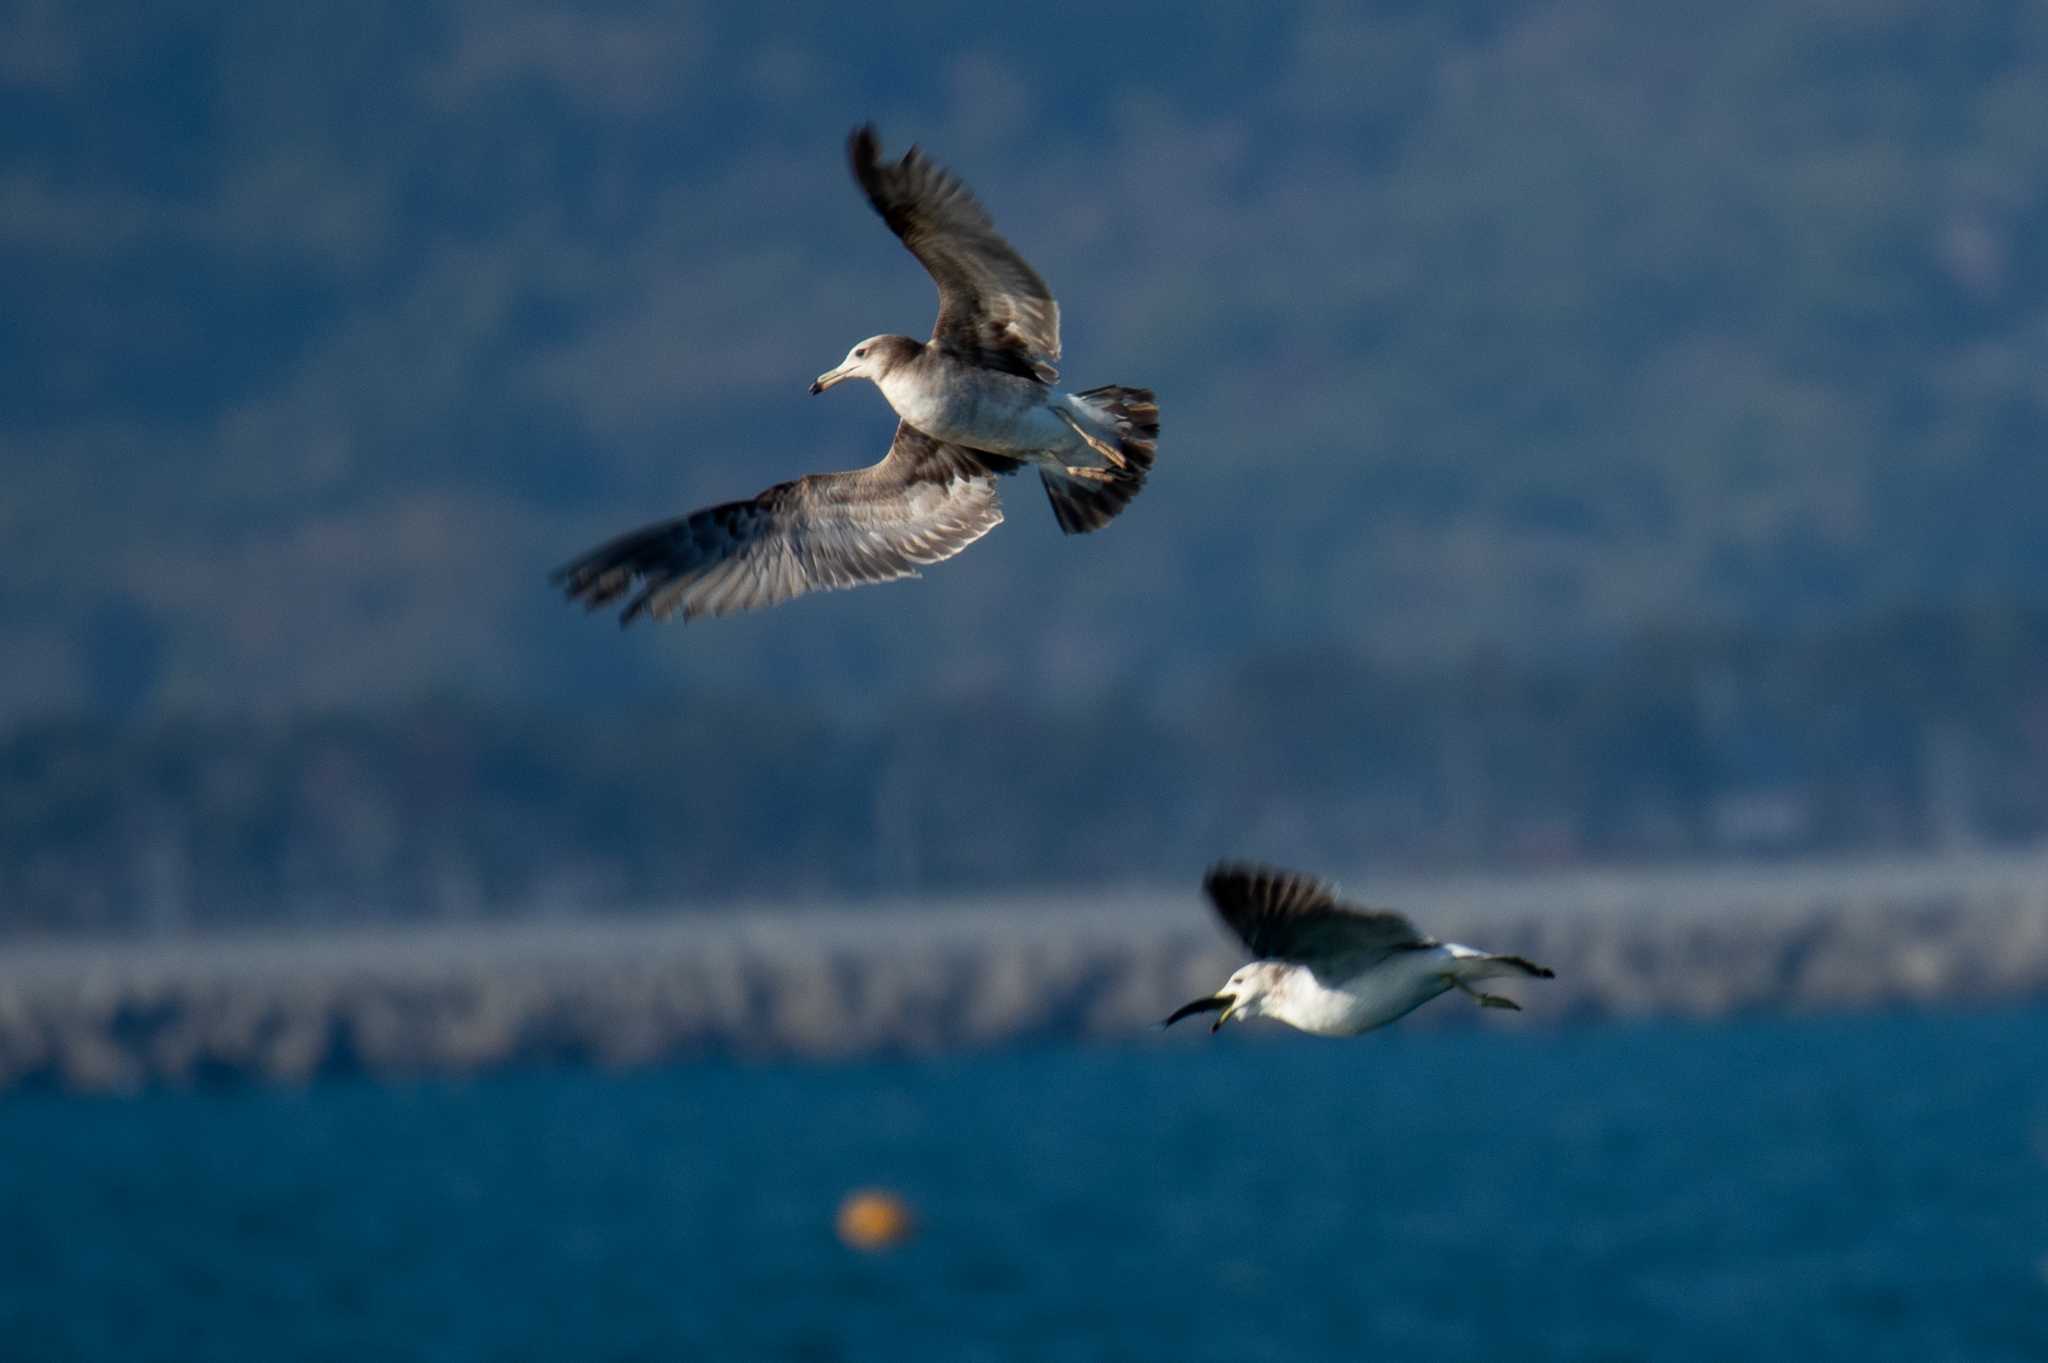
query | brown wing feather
(924,502)
(993,307)
(1285,916)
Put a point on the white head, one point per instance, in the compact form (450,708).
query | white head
(869,360)
(1244,995)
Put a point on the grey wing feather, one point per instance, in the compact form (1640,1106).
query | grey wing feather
(1281,915)
(924,502)
(993,307)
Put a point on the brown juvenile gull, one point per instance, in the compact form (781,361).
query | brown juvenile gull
(984,381)
(924,502)
(1332,968)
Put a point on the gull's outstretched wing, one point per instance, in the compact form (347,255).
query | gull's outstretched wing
(993,308)
(1284,916)
(924,502)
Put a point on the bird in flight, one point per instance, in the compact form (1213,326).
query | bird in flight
(975,403)
(984,381)
(1332,968)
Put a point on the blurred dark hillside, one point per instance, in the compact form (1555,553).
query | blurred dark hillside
(1481,328)
(1925,731)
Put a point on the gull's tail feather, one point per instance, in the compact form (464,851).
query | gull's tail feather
(1085,499)
(1527,967)
(1468,966)
(1133,413)
(1088,499)
(1488,967)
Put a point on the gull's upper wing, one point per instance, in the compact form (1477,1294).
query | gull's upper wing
(1284,916)
(993,308)
(924,502)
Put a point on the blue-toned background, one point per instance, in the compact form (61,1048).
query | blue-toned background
(1872,1187)
(1600,438)
(1593,430)
(1502,325)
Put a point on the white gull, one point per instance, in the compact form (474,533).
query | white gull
(1332,968)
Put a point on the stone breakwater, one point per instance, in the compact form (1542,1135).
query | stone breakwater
(749,982)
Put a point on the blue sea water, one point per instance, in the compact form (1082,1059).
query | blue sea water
(1870,1188)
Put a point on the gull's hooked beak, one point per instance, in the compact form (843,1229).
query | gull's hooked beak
(828,378)
(1221,1005)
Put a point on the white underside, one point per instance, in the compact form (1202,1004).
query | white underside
(986,410)
(1395,987)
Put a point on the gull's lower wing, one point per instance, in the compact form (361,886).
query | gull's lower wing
(923,503)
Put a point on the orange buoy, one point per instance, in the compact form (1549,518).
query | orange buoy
(875,1218)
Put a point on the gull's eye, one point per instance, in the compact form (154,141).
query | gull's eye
(861,353)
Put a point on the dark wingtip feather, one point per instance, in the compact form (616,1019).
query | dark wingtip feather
(1226,872)
(864,148)
(1223,876)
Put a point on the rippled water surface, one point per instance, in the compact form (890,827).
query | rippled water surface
(1874,1188)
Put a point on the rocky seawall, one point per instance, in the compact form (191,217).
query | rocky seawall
(829,984)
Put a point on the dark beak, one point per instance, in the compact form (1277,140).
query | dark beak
(816,388)
(1210,1005)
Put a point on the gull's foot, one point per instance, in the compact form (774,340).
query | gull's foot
(1094,442)
(1488,1000)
